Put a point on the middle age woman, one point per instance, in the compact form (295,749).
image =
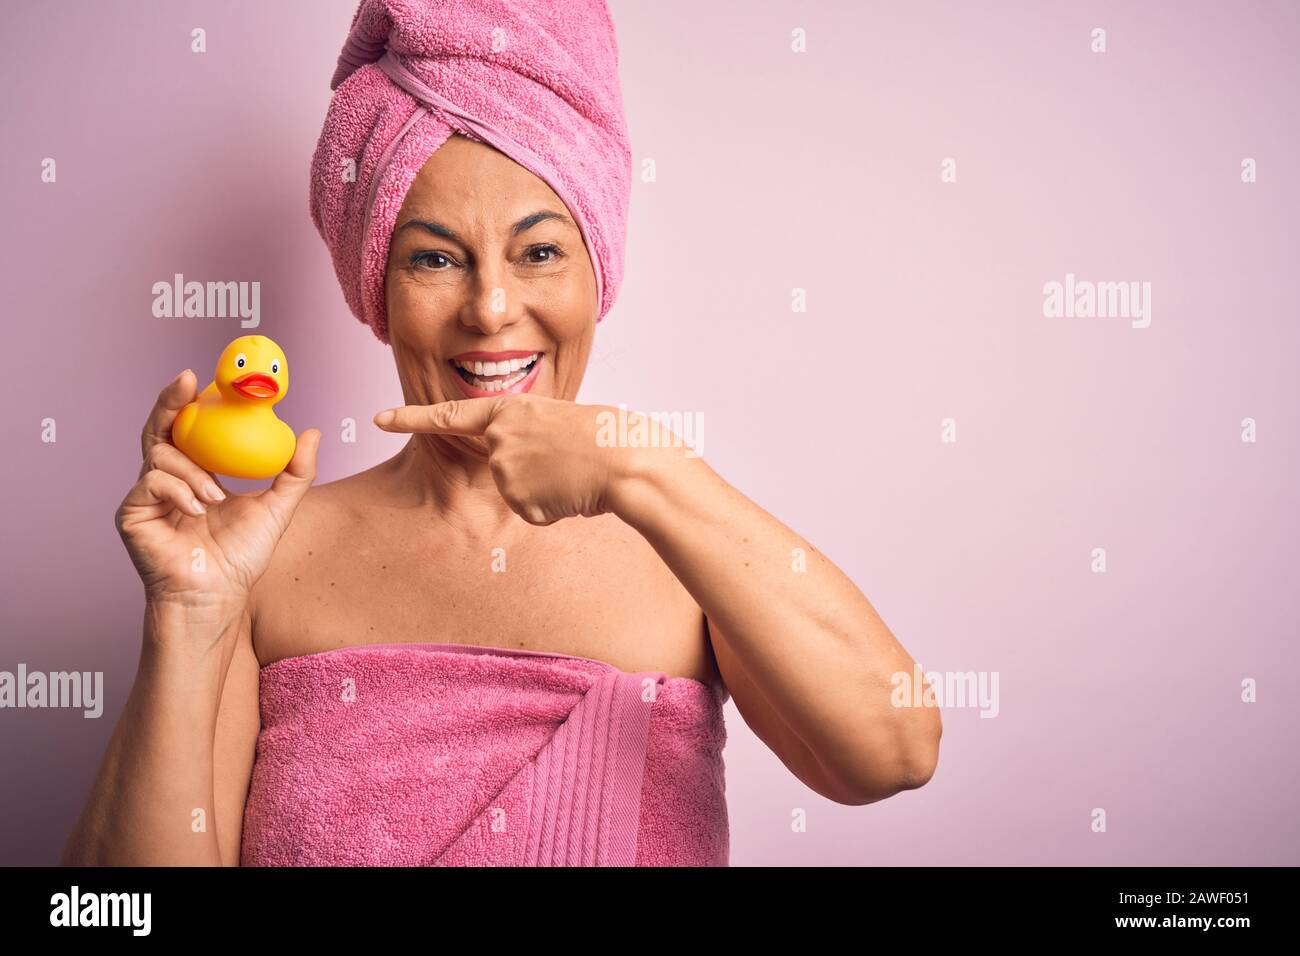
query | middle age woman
(643,558)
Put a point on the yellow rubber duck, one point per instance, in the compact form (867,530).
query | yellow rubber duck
(231,429)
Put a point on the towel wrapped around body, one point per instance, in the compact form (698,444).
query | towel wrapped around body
(463,755)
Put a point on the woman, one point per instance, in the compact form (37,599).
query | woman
(505,524)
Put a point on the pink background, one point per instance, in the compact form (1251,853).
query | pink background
(775,170)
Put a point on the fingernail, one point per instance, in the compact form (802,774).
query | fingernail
(197,506)
(213,492)
(383,418)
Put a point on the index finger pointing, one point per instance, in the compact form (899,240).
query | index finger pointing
(175,395)
(468,416)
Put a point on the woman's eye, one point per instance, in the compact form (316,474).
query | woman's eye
(240,360)
(551,253)
(430,260)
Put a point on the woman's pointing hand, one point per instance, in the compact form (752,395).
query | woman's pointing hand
(551,459)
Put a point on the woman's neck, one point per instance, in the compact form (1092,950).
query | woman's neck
(448,480)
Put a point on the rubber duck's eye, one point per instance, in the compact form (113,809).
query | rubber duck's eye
(275,368)
(240,360)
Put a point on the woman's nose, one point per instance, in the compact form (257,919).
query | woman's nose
(491,307)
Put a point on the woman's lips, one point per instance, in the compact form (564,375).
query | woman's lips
(487,374)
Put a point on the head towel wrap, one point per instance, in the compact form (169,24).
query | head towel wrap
(539,82)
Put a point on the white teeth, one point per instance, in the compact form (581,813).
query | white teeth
(499,385)
(515,369)
(503,367)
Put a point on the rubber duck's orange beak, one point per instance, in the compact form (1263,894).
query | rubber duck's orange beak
(256,385)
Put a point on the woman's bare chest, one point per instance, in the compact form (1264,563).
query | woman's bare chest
(609,598)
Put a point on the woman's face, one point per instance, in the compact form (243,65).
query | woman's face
(486,269)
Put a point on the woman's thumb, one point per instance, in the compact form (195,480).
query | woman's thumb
(291,484)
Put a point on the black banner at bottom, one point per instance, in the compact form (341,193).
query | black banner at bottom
(1173,905)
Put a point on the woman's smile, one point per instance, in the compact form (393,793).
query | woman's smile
(484,374)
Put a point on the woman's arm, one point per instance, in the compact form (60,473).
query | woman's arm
(235,747)
(805,655)
(808,661)
(153,801)
(172,785)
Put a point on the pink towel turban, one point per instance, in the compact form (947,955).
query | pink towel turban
(539,82)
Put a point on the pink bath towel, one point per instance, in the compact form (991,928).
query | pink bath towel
(460,755)
(538,82)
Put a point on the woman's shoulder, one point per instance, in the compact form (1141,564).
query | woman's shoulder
(327,504)
(322,517)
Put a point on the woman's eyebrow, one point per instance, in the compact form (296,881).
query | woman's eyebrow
(438,229)
(529,221)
